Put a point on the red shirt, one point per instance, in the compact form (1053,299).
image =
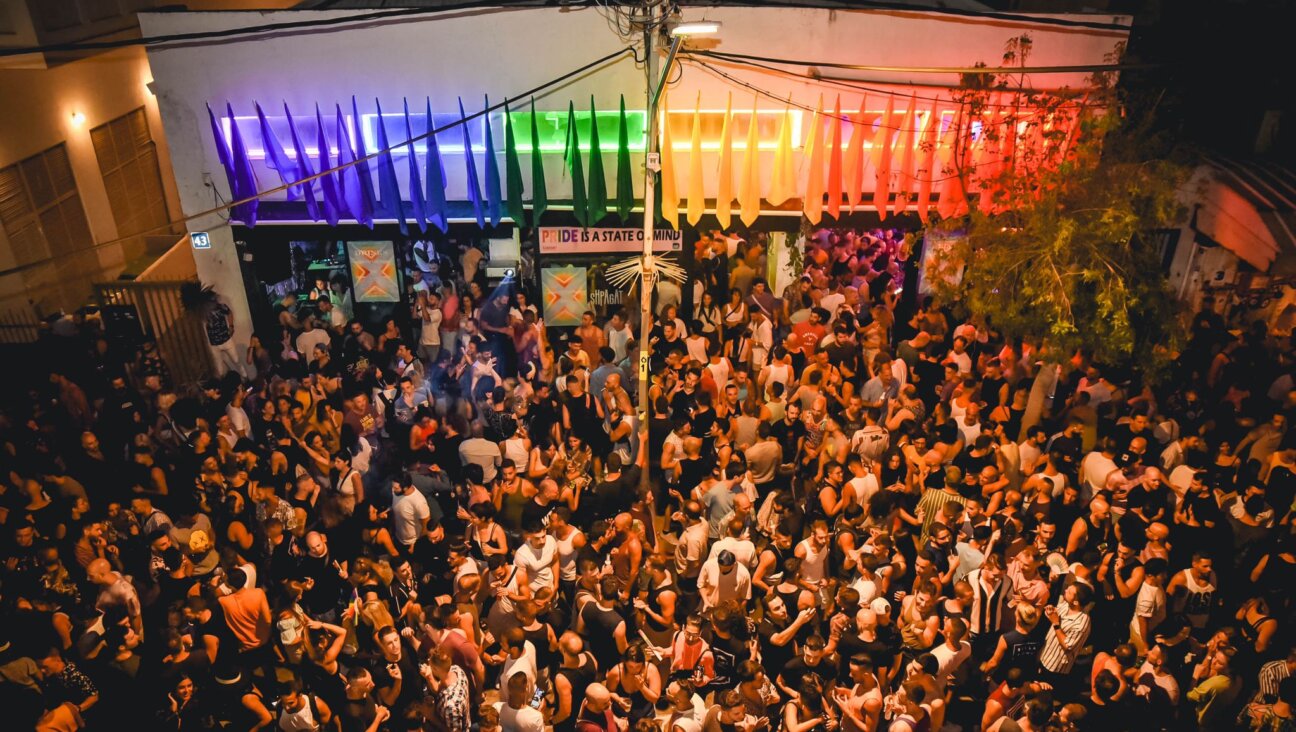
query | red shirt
(809,335)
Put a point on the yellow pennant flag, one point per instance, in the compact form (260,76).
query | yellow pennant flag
(906,145)
(696,191)
(927,168)
(812,202)
(783,180)
(669,196)
(835,162)
(724,188)
(749,192)
(854,161)
(881,156)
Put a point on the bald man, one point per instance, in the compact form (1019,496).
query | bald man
(115,591)
(597,710)
(570,680)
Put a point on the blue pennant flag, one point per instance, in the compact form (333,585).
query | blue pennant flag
(474,190)
(388,184)
(362,165)
(245,182)
(275,157)
(303,168)
(494,201)
(222,149)
(350,192)
(328,184)
(415,188)
(435,207)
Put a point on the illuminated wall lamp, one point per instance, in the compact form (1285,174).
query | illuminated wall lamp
(78,119)
(695,28)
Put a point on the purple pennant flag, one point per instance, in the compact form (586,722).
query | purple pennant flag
(415,188)
(388,184)
(303,168)
(328,184)
(222,149)
(350,192)
(435,206)
(362,165)
(275,157)
(244,180)
(474,190)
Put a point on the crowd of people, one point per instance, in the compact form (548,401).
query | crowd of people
(849,510)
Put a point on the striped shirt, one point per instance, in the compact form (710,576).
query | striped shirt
(1271,675)
(1057,656)
(989,605)
(932,501)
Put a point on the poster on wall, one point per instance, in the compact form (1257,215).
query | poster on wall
(373,271)
(937,247)
(565,293)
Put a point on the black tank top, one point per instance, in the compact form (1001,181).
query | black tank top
(580,678)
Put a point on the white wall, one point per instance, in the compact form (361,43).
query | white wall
(504,52)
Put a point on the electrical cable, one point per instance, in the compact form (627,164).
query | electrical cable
(267,28)
(935,69)
(390,148)
(827,115)
(909,7)
(875,90)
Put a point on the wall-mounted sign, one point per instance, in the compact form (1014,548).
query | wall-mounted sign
(200,240)
(575,240)
(373,271)
(564,290)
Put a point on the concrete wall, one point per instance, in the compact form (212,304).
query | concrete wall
(39,105)
(505,52)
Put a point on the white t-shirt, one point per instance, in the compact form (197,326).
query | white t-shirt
(408,513)
(538,563)
(1096,468)
(525,719)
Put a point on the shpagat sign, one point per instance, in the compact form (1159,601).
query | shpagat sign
(200,239)
(575,240)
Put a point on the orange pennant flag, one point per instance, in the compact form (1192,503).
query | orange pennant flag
(881,155)
(835,162)
(749,192)
(905,179)
(927,170)
(669,196)
(854,162)
(696,190)
(724,189)
(812,202)
(783,179)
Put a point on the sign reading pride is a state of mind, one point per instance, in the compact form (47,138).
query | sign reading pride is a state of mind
(575,240)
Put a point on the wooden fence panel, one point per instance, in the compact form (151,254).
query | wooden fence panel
(179,334)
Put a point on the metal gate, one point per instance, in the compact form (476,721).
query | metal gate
(180,336)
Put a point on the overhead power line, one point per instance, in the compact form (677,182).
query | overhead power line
(390,148)
(1073,69)
(257,29)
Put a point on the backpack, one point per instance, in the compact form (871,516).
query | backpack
(871,442)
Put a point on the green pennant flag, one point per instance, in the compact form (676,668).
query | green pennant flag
(580,205)
(539,196)
(624,176)
(512,171)
(598,203)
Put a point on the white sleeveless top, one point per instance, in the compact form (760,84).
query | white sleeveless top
(814,568)
(302,720)
(567,556)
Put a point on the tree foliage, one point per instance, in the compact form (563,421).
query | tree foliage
(1056,245)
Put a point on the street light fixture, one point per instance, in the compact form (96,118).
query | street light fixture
(695,28)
